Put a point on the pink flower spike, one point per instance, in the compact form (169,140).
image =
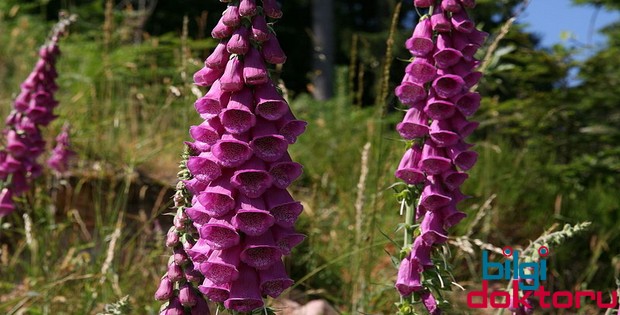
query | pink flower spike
(439,21)
(290,127)
(421,70)
(433,159)
(231,17)
(434,197)
(221,267)
(408,280)
(468,103)
(286,238)
(252,218)
(207,76)
(269,103)
(283,207)
(217,199)
(285,171)
(452,6)
(462,22)
(266,143)
(219,57)
(442,135)
(204,167)
(215,292)
(274,281)
(410,93)
(448,85)
(221,30)
(439,109)
(232,78)
(461,157)
(211,104)
(239,42)
(414,125)
(272,52)
(248,8)
(420,43)
(260,30)
(238,117)
(252,178)
(220,233)
(432,229)
(244,292)
(231,152)
(272,9)
(409,168)
(254,70)
(260,251)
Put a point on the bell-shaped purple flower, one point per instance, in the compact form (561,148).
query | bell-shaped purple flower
(439,21)
(434,160)
(215,292)
(272,52)
(252,178)
(283,207)
(432,229)
(421,42)
(248,8)
(421,70)
(231,17)
(284,171)
(220,233)
(232,78)
(260,30)
(239,42)
(290,127)
(274,280)
(217,198)
(260,251)
(252,218)
(238,117)
(414,125)
(219,57)
(266,143)
(408,279)
(221,30)
(222,265)
(245,295)
(409,168)
(271,8)
(165,289)
(269,103)
(254,71)
(230,151)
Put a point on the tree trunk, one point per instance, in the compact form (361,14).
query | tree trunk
(323,59)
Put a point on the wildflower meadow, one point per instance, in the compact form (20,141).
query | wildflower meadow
(308,158)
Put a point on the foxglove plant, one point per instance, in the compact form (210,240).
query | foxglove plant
(33,108)
(436,89)
(238,165)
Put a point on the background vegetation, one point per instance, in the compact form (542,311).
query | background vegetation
(549,153)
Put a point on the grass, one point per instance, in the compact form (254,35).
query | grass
(100,236)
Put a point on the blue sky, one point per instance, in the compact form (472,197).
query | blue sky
(551,18)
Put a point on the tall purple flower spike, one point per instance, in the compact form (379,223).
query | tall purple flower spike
(32,109)
(436,88)
(238,168)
